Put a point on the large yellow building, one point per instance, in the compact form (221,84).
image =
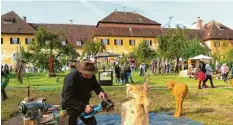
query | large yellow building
(217,36)
(121,32)
(15,32)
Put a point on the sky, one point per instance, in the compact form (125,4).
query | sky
(90,12)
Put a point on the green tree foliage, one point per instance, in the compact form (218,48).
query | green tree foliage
(175,44)
(228,56)
(48,44)
(172,44)
(92,48)
(144,53)
(194,48)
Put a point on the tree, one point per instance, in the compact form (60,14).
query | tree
(172,44)
(92,48)
(194,48)
(47,51)
(228,56)
(144,53)
(175,44)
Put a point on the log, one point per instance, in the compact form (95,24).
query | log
(30,122)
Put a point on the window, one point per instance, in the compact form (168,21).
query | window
(64,42)
(105,41)
(216,44)
(132,42)
(149,42)
(130,28)
(9,20)
(118,42)
(225,44)
(79,43)
(14,40)
(28,40)
(1,40)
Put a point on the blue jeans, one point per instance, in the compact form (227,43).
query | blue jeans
(130,76)
(126,78)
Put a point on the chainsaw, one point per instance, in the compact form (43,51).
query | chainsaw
(107,105)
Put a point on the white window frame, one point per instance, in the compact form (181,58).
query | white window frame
(29,40)
(105,41)
(148,42)
(64,43)
(118,42)
(14,41)
(79,43)
(131,42)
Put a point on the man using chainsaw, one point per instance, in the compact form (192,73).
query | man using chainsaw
(76,92)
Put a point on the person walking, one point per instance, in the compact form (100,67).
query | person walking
(122,76)
(117,73)
(129,73)
(232,71)
(4,84)
(225,71)
(201,73)
(126,76)
(76,92)
(6,69)
(209,72)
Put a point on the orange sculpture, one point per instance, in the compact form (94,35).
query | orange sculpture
(135,111)
(179,90)
(231,81)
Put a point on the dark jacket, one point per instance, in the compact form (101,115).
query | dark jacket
(202,67)
(76,91)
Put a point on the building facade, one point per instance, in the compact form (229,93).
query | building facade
(15,32)
(121,32)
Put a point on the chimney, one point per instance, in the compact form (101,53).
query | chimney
(71,21)
(199,23)
(25,18)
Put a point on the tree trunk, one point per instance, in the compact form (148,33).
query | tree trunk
(177,61)
(51,66)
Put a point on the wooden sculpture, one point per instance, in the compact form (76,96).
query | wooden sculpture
(135,111)
(179,90)
(231,82)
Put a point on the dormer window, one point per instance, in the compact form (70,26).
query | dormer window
(222,28)
(9,20)
(79,43)
(130,28)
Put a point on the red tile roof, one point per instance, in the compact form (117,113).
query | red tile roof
(127,31)
(18,25)
(215,30)
(72,32)
(192,33)
(127,17)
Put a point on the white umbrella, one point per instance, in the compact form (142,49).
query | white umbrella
(201,57)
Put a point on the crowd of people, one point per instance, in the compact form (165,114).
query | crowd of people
(124,73)
(6,69)
(204,72)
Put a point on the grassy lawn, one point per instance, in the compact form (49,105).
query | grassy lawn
(208,106)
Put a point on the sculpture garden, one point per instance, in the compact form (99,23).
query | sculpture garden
(206,106)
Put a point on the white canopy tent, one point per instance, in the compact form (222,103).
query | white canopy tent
(202,57)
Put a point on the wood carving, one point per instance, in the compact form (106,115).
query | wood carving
(179,90)
(135,111)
